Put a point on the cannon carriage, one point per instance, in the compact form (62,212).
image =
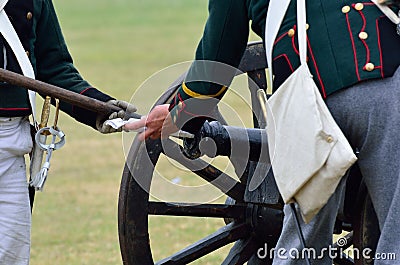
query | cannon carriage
(250,221)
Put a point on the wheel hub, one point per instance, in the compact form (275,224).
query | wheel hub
(266,222)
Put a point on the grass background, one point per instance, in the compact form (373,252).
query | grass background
(116,45)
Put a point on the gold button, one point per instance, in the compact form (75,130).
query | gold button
(27,53)
(29,16)
(291,32)
(369,67)
(359,6)
(307,26)
(363,35)
(329,139)
(346,9)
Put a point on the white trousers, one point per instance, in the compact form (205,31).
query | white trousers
(15,215)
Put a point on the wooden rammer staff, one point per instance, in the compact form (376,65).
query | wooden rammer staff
(60,93)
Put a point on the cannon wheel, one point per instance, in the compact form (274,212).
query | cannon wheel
(135,207)
(248,222)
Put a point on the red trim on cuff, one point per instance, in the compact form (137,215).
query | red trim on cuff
(83,91)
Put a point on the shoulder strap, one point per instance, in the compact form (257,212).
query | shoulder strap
(11,36)
(301,30)
(276,12)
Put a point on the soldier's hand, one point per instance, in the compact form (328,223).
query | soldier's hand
(157,124)
(125,107)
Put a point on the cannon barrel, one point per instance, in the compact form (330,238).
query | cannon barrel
(215,139)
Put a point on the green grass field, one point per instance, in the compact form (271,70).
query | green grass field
(116,45)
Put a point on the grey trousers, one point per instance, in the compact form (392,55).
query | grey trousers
(369,116)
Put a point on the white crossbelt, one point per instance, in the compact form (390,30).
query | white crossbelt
(38,173)
(3,4)
(10,35)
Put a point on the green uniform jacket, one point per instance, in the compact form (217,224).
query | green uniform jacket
(348,42)
(38,29)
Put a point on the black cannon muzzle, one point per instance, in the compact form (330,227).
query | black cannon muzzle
(215,139)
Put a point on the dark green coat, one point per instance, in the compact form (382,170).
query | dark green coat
(348,42)
(37,26)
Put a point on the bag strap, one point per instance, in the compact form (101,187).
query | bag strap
(11,36)
(301,30)
(275,15)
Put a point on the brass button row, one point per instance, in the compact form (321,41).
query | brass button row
(291,32)
(358,7)
(362,35)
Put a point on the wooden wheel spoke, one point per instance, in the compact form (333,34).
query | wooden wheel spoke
(211,174)
(220,238)
(241,251)
(196,210)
